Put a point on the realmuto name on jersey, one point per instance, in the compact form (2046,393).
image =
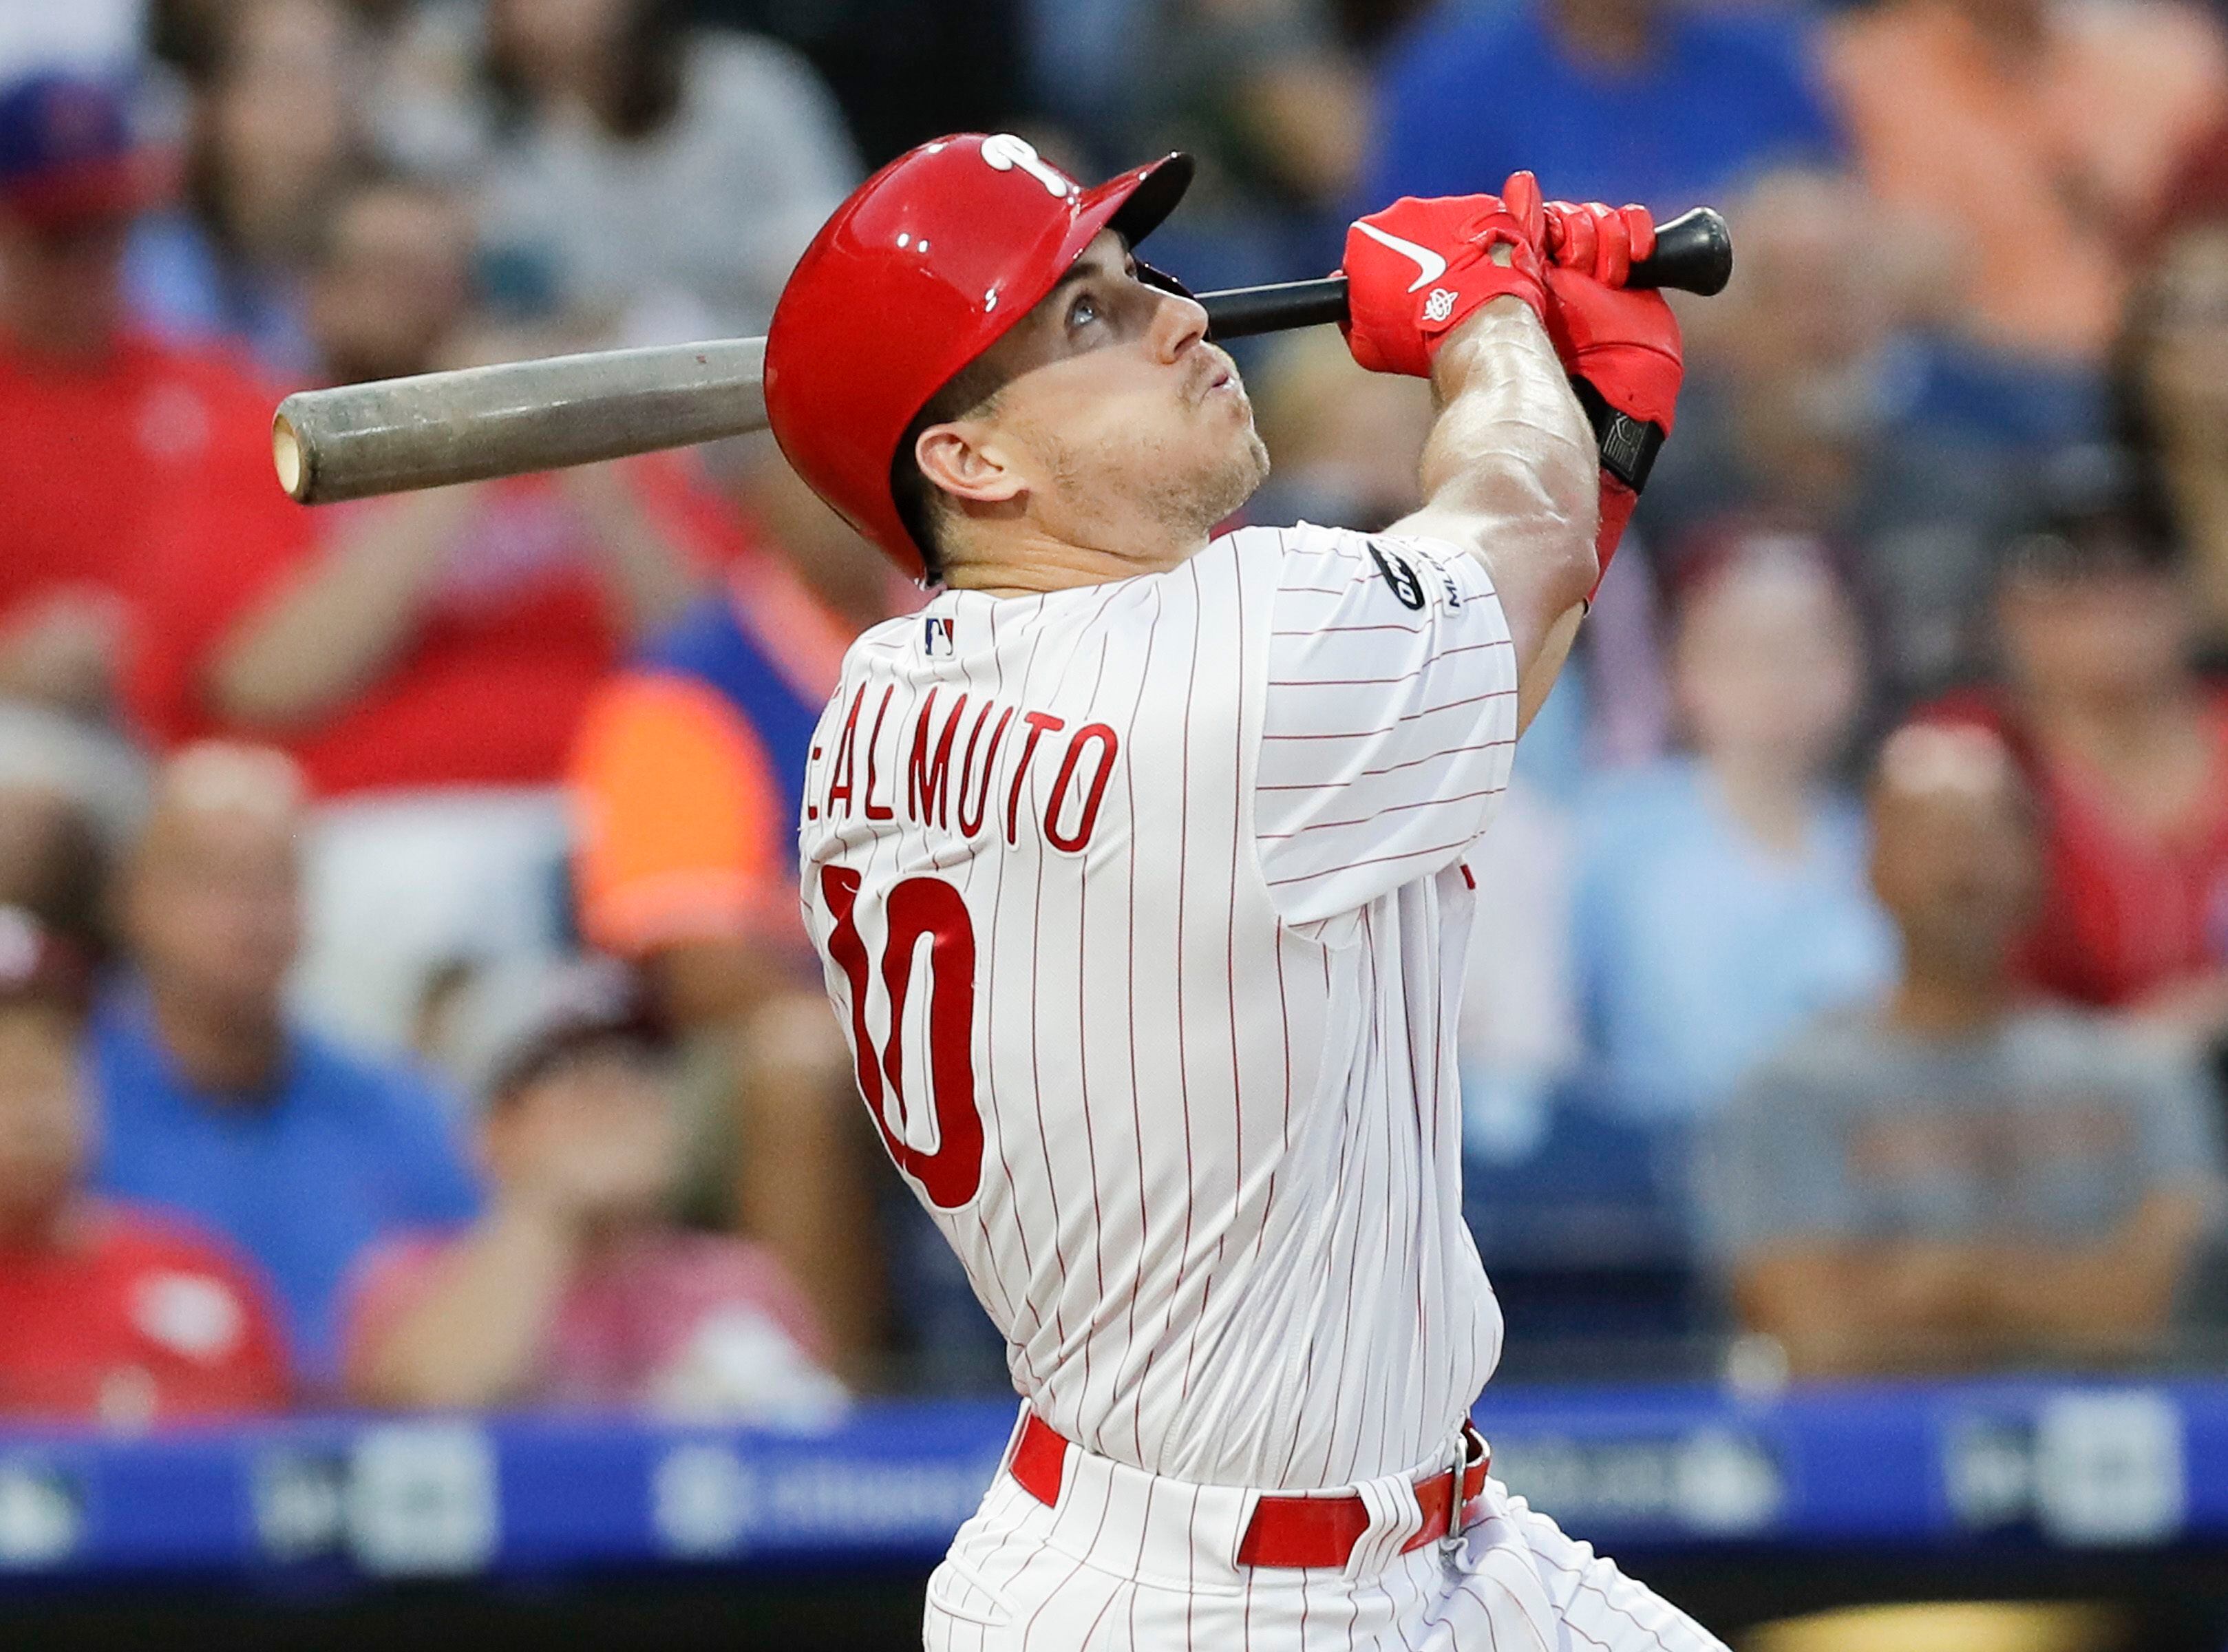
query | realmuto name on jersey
(960,763)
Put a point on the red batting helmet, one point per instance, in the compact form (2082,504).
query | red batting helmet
(923,269)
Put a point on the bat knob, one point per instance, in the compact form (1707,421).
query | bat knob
(1693,254)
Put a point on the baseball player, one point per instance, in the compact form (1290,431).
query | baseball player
(1137,862)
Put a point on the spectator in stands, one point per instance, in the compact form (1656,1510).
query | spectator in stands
(114,1313)
(2171,381)
(96,37)
(636,160)
(1667,104)
(1260,92)
(1347,446)
(217,1105)
(1959,1177)
(686,780)
(904,72)
(1720,897)
(426,658)
(105,433)
(276,124)
(1804,413)
(52,864)
(575,1287)
(2014,125)
(48,755)
(2127,749)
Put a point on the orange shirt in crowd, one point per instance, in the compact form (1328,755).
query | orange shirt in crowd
(687,770)
(491,686)
(2040,171)
(100,453)
(134,1317)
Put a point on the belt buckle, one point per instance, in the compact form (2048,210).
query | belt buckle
(1451,1539)
(1469,1449)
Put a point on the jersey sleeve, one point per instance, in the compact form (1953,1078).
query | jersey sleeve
(1389,721)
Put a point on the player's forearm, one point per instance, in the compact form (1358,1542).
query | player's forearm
(1512,452)
(333,632)
(1509,474)
(476,1336)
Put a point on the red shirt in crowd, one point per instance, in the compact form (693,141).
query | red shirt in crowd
(492,685)
(134,1317)
(100,453)
(2124,912)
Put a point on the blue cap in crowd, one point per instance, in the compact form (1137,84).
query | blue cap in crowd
(68,153)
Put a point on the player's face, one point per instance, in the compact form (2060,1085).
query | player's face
(1116,411)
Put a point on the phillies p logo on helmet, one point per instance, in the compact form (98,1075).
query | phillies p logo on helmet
(1003,152)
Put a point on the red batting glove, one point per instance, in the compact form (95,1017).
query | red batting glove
(1416,271)
(1604,243)
(1621,348)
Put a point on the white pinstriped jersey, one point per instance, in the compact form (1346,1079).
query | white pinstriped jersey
(1142,906)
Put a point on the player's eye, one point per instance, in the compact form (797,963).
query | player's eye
(1082,312)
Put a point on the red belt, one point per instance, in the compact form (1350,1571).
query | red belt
(1285,1530)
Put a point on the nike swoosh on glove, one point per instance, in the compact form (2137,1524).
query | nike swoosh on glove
(1418,269)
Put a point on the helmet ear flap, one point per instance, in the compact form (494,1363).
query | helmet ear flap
(1163,280)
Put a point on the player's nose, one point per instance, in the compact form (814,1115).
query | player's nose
(1179,324)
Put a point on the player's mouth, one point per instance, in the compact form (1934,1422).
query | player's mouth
(1219,378)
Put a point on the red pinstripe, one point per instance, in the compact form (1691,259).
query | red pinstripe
(1394,768)
(1376,860)
(1390,809)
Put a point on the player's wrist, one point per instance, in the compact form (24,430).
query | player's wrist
(1500,338)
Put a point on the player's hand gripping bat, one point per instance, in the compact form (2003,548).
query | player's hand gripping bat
(465,425)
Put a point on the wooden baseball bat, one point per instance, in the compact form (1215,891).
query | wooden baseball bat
(473,423)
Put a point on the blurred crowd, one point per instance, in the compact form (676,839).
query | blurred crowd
(402,998)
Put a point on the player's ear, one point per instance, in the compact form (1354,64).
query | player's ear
(966,460)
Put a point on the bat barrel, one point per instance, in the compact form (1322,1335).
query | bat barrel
(440,428)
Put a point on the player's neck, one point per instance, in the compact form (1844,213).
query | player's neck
(1026,562)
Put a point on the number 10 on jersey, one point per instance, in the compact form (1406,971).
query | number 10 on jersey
(916,909)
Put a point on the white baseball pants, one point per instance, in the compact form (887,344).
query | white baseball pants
(1129,1562)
